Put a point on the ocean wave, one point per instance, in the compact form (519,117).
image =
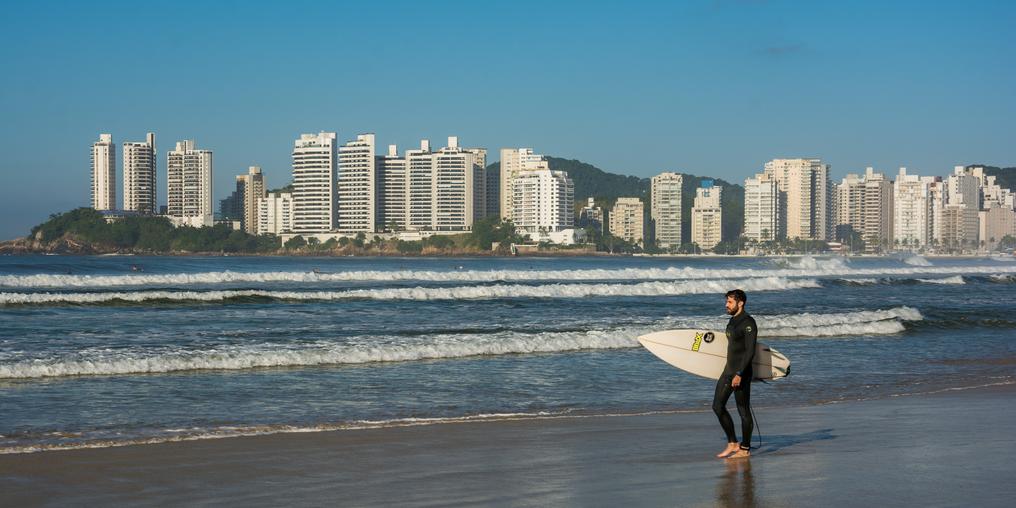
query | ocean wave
(422,293)
(916,260)
(807,267)
(811,263)
(956,279)
(376,349)
(875,322)
(242,357)
(859,282)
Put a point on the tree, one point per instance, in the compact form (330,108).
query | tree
(492,229)
(1007,242)
(439,242)
(297,242)
(405,247)
(689,248)
(359,240)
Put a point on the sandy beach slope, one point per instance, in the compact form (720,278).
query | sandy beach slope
(952,448)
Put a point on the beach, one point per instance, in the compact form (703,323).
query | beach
(506,382)
(949,448)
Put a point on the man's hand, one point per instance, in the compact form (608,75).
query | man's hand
(736,381)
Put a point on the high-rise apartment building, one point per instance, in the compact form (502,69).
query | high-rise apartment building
(960,226)
(544,201)
(189,187)
(480,180)
(514,161)
(995,204)
(963,189)
(938,192)
(761,209)
(805,201)
(707,216)
(139,176)
(250,188)
(459,196)
(103,157)
(877,217)
(275,213)
(357,186)
(665,212)
(627,220)
(314,183)
(392,204)
(994,223)
(493,177)
(848,198)
(863,205)
(913,224)
(420,188)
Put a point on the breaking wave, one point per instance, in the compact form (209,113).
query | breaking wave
(439,346)
(422,293)
(916,260)
(859,282)
(956,279)
(805,267)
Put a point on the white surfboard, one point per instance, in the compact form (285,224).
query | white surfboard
(704,353)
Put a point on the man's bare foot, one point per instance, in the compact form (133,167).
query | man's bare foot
(731,448)
(741,453)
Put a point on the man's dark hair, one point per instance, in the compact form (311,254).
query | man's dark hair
(737,295)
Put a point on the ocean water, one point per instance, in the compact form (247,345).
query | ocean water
(112,350)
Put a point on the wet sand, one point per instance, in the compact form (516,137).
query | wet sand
(948,449)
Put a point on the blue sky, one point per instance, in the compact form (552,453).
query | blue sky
(704,87)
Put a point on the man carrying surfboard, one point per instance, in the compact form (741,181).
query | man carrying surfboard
(736,378)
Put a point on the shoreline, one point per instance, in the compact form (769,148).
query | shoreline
(846,453)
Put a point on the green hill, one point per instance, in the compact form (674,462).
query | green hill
(591,181)
(606,187)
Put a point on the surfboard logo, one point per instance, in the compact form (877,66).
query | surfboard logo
(708,337)
(697,343)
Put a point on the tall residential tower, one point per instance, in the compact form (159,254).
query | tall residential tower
(104,173)
(189,187)
(666,209)
(707,216)
(357,186)
(139,177)
(805,202)
(314,182)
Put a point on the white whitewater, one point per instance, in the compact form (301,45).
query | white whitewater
(370,349)
(806,267)
(425,293)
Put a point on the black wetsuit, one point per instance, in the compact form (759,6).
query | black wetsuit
(741,336)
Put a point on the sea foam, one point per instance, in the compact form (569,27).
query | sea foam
(956,279)
(374,349)
(807,267)
(916,260)
(423,293)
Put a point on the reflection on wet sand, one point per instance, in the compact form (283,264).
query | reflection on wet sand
(736,488)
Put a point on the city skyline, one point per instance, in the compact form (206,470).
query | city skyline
(705,88)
